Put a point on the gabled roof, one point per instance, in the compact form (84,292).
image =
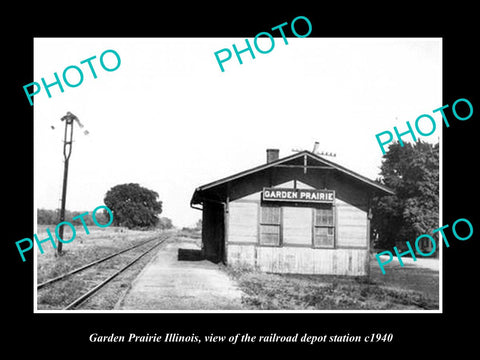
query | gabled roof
(327,163)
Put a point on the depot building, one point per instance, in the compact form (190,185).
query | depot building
(297,214)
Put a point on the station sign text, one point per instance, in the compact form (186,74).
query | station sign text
(298,195)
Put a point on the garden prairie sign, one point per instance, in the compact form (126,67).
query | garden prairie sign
(298,195)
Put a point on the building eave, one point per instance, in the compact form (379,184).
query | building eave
(196,199)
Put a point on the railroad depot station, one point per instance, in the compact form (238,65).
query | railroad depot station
(297,214)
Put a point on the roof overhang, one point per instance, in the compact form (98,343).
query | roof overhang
(283,162)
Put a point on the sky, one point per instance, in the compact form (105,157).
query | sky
(170,120)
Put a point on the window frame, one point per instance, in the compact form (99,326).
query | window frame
(301,245)
(323,226)
(280,226)
(313,227)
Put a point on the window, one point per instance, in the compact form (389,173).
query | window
(324,227)
(270,225)
(297,226)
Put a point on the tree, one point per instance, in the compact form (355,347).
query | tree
(165,223)
(52,217)
(133,206)
(47,217)
(412,171)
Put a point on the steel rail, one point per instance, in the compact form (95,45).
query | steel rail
(89,293)
(60,277)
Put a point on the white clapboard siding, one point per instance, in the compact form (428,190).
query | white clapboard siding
(243,218)
(297,226)
(302,260)
(351,226)
(241,255)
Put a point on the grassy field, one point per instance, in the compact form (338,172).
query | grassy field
(403,288)
(82,250)
(410,288)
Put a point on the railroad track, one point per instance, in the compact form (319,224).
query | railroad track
(122,260)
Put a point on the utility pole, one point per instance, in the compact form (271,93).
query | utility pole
(67,151)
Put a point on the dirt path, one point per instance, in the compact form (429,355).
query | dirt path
(169,284)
